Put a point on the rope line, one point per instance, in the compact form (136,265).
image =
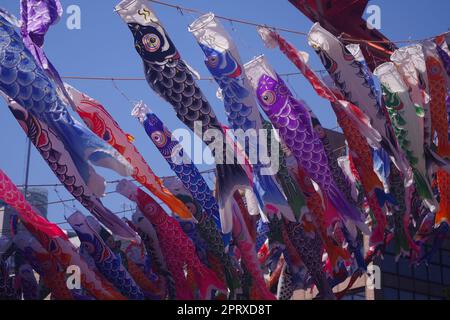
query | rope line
(302,33)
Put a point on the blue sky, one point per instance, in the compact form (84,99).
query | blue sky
(104,47)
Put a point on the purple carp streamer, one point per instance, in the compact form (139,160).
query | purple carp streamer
(170,77)
(37,18)
(296,130)
(223,61)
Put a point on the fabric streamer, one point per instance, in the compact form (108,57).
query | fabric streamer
(25,82)
(34,103)
(223,61)
(192,180)
(54,240)
(178,160)
(169,76)
(355,125)
(44,264)
(309,246)
(103,125)
(106,261)
(247,249)
(293,121)
(290,187)
(151,242)
(352,78)
(54,153)
(345,18)
(437,77)
(177,248)
(407,118)
(37,18)
(210,233)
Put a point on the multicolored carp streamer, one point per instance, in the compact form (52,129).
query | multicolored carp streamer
(37,18)
(407,119)
(44,264)
(103,125)
(177,248)
(151,242)
(178,160)
(224,63)
(170,77)
(25,82)
(355,125)
(106,261)
(55,241)
(437,78)
(346,17)
(192,180)
(309,246)
(247,250)
(354,81)
(210,233)
(293,121)
(54,153)
(65,145)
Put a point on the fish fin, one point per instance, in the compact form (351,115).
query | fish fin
(384,197)
(230,178)
(273,196)
(207,281)
(347,211)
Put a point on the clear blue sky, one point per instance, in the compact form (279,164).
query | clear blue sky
(104,47)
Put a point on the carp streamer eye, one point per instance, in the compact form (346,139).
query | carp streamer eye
(268,97)
(212,61)
(159,138)
(151,42)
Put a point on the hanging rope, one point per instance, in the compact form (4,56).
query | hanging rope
(302,33)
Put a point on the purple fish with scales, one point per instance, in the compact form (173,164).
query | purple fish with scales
(294,123)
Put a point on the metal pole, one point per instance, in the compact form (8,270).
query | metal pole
(27,170)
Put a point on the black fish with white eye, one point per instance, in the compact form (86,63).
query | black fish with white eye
(152,44)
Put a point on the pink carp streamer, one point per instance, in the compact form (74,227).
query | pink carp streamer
(103,125)
(247,249)
(55,241)
(177,248)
